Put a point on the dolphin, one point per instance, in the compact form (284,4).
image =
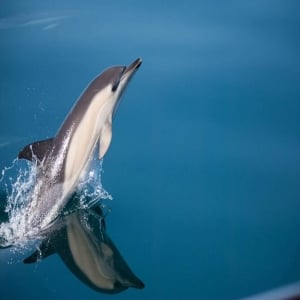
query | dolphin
(84,246)
(63,159)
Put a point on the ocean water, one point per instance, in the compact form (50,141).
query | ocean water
(204,164)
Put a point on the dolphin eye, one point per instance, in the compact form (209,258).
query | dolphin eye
(117,82)
(115,86)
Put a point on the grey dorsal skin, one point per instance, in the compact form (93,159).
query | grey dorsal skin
(88,252)
(62,160)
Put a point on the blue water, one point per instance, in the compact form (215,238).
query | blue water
(204,164)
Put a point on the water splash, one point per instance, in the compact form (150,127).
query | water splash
(17,193)
(90,187)
(19,180)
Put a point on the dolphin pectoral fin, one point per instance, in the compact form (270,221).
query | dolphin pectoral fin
(45,249)
(37,150)
(105,139)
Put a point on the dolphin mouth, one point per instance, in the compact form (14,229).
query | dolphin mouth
(132,67)
(127,73)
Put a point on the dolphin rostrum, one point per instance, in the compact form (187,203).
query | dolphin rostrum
(63,159)
(86,249)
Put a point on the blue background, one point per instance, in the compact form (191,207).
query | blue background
(204,165)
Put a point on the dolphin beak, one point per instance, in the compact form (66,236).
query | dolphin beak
(129,71)
(125,77)
(127,74)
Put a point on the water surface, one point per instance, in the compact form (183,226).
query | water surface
(204,163)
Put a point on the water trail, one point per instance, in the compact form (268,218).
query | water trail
(19,180)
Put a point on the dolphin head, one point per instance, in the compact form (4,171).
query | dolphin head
(103,96)
(116,79)
(120,76)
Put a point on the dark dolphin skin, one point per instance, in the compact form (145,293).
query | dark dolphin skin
(84,246)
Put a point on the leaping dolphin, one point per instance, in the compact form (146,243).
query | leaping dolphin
(64,158)
(89,253)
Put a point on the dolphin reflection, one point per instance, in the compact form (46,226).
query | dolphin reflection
(83,244)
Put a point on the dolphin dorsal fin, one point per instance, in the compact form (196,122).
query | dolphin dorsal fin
(38,150)
(105,139)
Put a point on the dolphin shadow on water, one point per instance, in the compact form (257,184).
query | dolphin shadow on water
(84,246)
(82,242)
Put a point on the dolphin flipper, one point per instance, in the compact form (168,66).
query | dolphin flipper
(105,139)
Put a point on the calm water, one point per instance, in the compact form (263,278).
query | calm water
(204,165)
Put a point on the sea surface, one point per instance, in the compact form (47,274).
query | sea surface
(204,164)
